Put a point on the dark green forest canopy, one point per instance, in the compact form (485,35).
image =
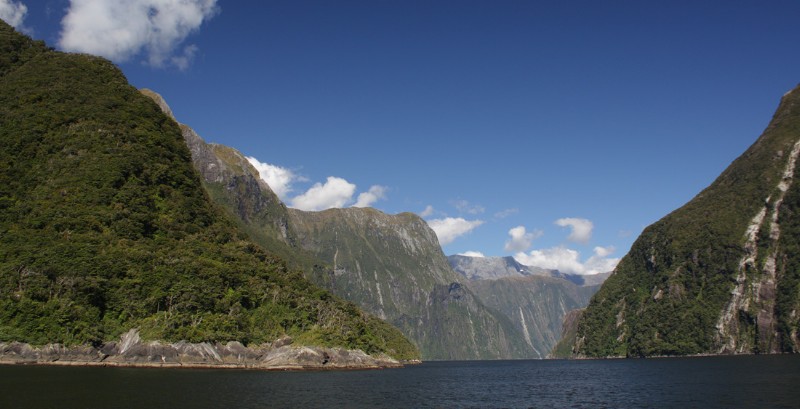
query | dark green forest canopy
(105,226)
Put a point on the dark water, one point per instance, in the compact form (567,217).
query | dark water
(712,382)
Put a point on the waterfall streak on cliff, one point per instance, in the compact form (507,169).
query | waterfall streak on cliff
(727,325)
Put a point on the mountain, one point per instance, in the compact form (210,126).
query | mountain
(393,266)
(534,299)
(390,265)
(720,275)
(569,330)
(105,226)
(488,268)
(233,183)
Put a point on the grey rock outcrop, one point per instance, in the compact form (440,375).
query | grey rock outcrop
(132,351)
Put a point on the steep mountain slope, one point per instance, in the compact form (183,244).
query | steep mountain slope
(393,267)
(231,181)
(105,226)
(719,275)
(569,330)
(534,299)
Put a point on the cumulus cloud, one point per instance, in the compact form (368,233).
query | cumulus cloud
(13,12)
(279,179)
(451,228)
(427,212)
(464,206)
(477,254)
(120,30)
(581,229)
(375,193)
(568,260)
(335,192)
(520,239)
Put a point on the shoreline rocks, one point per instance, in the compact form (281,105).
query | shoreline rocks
(132,351)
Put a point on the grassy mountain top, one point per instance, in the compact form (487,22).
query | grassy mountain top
(105,226)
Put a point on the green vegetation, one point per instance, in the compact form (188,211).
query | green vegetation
(787,301)
(105,226)
(670,290)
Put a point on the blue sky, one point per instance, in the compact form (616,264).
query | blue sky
(553,131)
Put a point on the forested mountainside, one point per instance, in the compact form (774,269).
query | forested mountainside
(720,275)
(105,225)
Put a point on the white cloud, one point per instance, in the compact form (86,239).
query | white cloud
(450,228)
(120,30)
(336,192)
(375,193)
(279,179)
(13,12)
(603,251)
(505,213)
(600,262)
(568,260)
(464,206)
(581,229)
(427,212)
(477,254)
(520,239)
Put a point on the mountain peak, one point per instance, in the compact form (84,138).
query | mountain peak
(489,268)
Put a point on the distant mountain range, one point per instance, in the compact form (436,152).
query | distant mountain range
(390,265)
(720,275)
(489,268)
(536,300)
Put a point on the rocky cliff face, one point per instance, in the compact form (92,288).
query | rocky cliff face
(535,300)
(719,275)
(393,267)
(569,330)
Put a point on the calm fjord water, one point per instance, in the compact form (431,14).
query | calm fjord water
(706,382)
